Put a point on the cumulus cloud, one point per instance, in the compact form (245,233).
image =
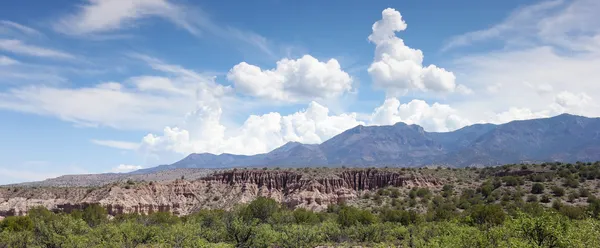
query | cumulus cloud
(568,99)
(436,117)
(397,67)
(123,168)
(19,47)
(292,80)
(258,134)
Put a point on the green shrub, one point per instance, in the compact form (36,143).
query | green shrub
(537,188)
(262,208)
(558,191)
(487,215)
(349,216)
(16,224)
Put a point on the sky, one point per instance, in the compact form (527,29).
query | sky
(96,86)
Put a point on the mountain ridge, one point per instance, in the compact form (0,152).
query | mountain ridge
(562,138)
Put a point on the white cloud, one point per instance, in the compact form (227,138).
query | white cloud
(565,24)
(292,80)
(19,47)
(258,134)
(123,168)
(98,16)
(515,113)
(398,68)
(567,99)
(4,61)
(8,26)
(141,104)
(436,117)
(518,23)
(117,144)
(102,18)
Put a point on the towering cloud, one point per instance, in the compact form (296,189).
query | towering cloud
(397,67)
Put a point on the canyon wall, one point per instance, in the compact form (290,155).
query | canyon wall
(222,190)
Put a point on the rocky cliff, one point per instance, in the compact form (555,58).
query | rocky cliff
(221,190)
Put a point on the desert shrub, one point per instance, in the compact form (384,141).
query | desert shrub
(394,193)
(487,215)
(537,188)
(511,181)
(571,182)
(303,216)
(262,208)
(349,216)
(447,190)
(16,224)
(558,191)
(532,198)
(94,215)
(545,198)
(583,192)
(423,192)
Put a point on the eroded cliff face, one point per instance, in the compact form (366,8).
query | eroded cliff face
(222,190)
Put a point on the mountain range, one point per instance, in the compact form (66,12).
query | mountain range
(564,138)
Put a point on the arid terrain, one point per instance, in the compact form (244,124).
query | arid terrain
(310,188)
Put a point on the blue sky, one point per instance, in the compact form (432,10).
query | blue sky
(115,85)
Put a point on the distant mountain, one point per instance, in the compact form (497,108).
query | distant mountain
(565,138)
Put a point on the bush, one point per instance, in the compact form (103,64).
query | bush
(487,215)
(261,208)
(537,188)
(532,198)
(558,191)
(16,224)
(349,216)
(394,193)
(303,216)
(94,215)
(423,192)
(447,190)
(583,192)
(545,199)
(511,181)
(571,182)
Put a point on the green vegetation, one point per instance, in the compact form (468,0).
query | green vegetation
(507,206)
(482,225)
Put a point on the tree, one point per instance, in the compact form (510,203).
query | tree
(94,215)
(349,216)
(16,224)
(487,215)
(261,208)
(537,188)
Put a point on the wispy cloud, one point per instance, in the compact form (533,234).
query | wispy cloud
(103,18)
(9,26)
(520,22)
(7,61)
(19,47)
(124,145)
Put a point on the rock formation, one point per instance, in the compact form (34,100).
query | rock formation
(220,190)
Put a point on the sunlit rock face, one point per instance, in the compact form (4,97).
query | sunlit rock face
(222,190)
